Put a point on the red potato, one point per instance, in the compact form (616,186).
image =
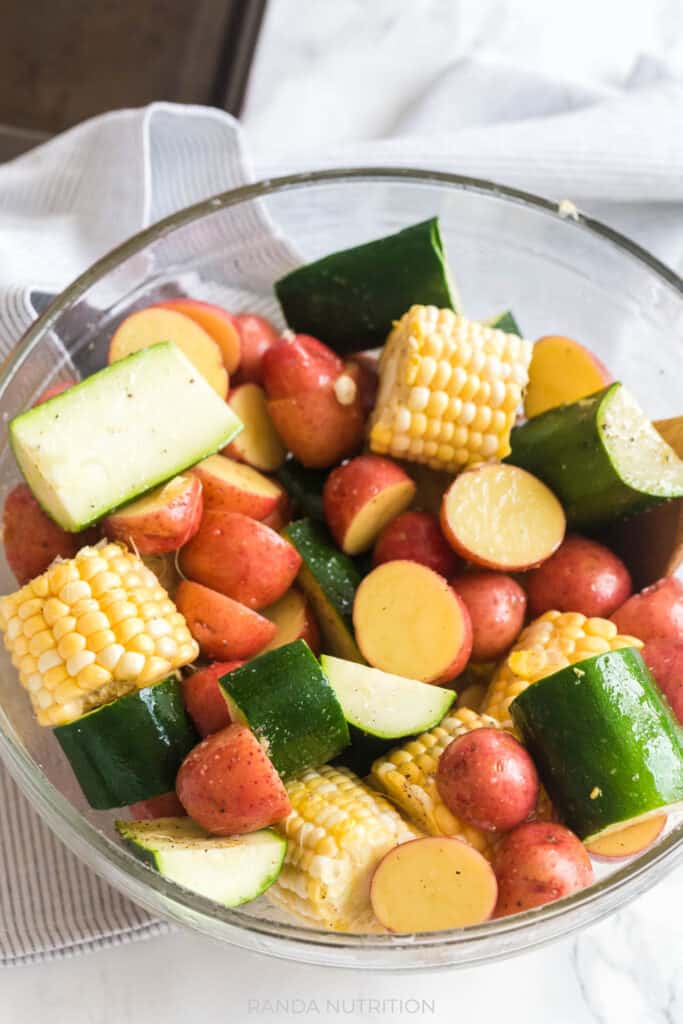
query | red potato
(368,378)
(32,540)
(562,370)
(281,514)
(656,613)
(241,558)
(228,785)
(536,863)
(153,325)
(216,321)
(299,363)
(203,697)
(431,884)
(231,486)
(54,390)
(629,841)
(501,517)
(361,497)
(410,622)
(223,628)
(497,605)
(317,428)
(256,336)
(664,658)
(488,779)
(582,576)
(167,805)
(258,444)
(416,536)
(294,620)
(162,520)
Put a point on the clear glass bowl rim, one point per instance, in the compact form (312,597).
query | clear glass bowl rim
(156,894)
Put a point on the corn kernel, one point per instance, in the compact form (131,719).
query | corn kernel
(70,645)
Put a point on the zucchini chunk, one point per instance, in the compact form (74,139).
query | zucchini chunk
(601,456)
(350,299)
(605,742)
(230,870)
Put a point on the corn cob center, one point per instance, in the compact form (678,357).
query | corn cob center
(91,629)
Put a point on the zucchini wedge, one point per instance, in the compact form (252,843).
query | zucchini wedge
(605,742)
(601,456)
(286,700)
(350,299)
(230,870)
(504,322)
(131,749)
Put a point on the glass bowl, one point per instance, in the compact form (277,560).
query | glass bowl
(508,250)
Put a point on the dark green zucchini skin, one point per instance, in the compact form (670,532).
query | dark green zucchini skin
(330,580)
(363,750)
(604,740)
(564,448)
(286,700)
(305,487)
(504,322)
(350,299)
(131,749)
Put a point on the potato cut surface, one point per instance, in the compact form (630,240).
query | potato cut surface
(628,841)
(375,514)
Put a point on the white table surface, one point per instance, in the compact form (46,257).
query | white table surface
(330,71)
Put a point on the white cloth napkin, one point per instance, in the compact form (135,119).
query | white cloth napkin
(619,153)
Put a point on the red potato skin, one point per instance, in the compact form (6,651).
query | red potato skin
(488,779)
(215,320)
(53,391)
(224,629)
(299,363)
(582,576)
(417,537)
(368,378)
(165,530)
(228,785)
(536,863)
(316,428)
(167,805)
(203,697)
(656,613)
(497,605)
(664,658)
(32,540)
(241,558)
(281,514)
(350,487)
(226,497)
(460,663)
(256,336)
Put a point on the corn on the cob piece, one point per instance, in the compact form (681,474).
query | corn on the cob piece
(407,775)
(449,390)
(549,643)
(337,832)
(91,629)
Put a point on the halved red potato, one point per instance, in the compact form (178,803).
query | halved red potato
(235,487)
(536,863)
(501,517)
(361,497)
(203,697)
(294,620)
(281,514)
(418,537)
(259,444)
(409,621)
(223,628)
(241,558)
(664,658)
(628,842)
(32,540)
(228,785)
(154,324)
(256,336)
(162,520)
(166,805)
(216,321)
(562,370)
(431,884)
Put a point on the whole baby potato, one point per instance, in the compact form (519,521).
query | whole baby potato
(488,779)
(536,863)
(656,613)
(496,604)
(582,576)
